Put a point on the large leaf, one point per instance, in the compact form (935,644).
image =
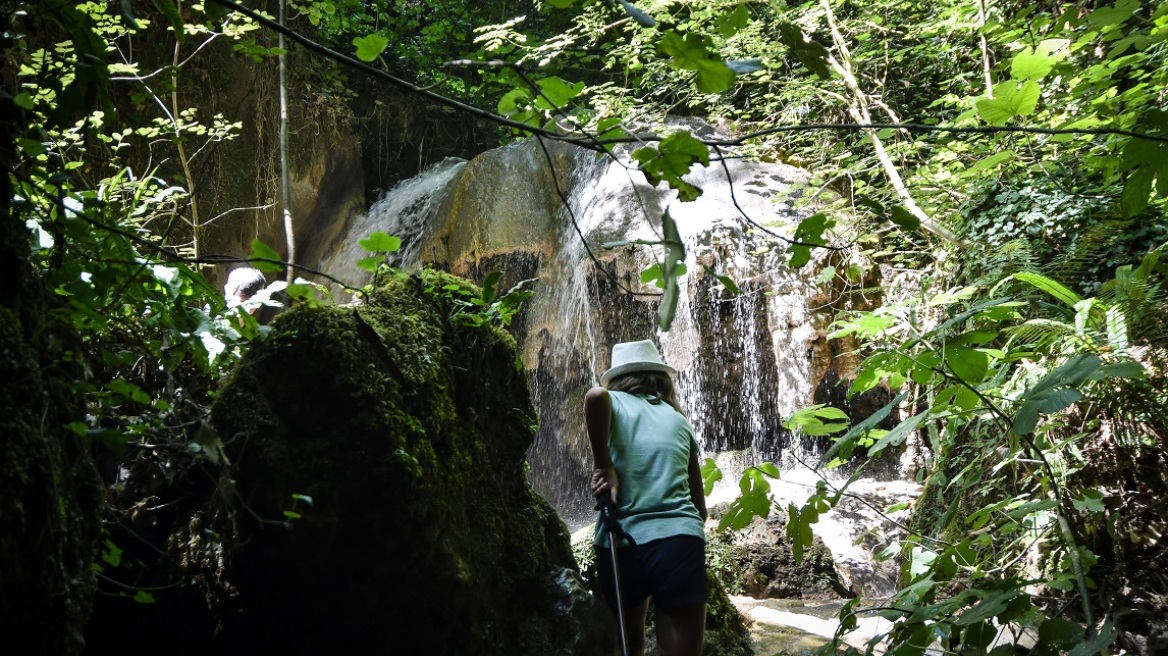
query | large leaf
(897,435)
(1036,63)
(170,10)
(810,53)
(1010,99)
(556,93)
(970,365)
(818,420)
(694,52)
(1136,190)
(370,47)
(380,242)
(672,158)
(808,234)
(729,23)
(264,258)
(1055,289)
(862,428)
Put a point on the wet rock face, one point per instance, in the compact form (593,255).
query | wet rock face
(407,429)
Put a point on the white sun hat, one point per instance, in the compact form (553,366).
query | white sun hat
(628,357)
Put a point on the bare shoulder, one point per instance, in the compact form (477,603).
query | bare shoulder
(597,394)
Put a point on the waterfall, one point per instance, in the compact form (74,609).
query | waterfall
(744,360)
(402,211)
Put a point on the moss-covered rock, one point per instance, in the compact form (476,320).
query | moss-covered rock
(370,495)
(407,428)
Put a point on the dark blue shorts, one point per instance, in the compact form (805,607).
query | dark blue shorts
(671,570)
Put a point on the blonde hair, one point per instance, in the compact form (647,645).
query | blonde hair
(655,384)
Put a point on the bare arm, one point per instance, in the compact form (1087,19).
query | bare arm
(597,416)
(697,492)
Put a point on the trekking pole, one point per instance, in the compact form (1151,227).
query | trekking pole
(604,502)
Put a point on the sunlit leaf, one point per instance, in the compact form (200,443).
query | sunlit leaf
(264,258)
(1036,63)
(380,242)
(370,47)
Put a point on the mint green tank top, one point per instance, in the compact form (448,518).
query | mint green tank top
(650,446)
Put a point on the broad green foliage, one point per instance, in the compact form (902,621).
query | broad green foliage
(486,307)
(990,375)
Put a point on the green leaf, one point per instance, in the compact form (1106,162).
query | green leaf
(490,284)
(556,91)
(1089,501)
(653,275)
(514,101)
(1049,286)
(303,292)
(1116,14)
(693,52)
(987,608)
(31,147)
(112,554)
(904,219)
(729,23)
(1097,644)
(170,10)
(970,365)
(768,468)
(1036,63)
(1136,190)
(817,420)
(264,258)
(143,597)
(370,264)
(753,502)
(370,47)
(1010,100)
(24,101)
(809,234)
(1057,633)
(990,162)
(560,4)
(897,435)
(1120,370)
(711,474)
(672,158)
(810,53)
(380,242)
(726,281)
(869,422)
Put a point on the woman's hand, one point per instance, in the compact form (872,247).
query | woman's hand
(605,481)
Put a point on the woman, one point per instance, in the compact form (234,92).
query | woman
(645,459)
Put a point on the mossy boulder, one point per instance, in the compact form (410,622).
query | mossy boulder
(378,497)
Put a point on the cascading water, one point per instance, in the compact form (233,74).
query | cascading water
(403,211)
(744,360)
